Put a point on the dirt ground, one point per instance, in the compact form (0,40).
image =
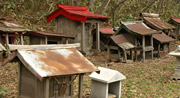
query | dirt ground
(148,79)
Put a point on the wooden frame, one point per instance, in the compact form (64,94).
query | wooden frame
(80,88)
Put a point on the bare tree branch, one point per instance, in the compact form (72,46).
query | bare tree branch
(160,4)
(78,2)
(103,6)
(116,6)
(149,5)
(91,3)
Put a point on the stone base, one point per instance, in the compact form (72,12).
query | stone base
(176,75)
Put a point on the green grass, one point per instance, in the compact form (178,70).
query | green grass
(3,91)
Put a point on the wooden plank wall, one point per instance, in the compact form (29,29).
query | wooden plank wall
(74,28)
(27,86)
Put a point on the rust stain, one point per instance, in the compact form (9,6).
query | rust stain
(141,29)
(157,23)
(163,38)
(10,25)
(62,65)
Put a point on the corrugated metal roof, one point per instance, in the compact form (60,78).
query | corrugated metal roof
(78,13)
(45,33)
(107,75)
(139,28)
(163,38)
(46,63)
(106,30)
(176,19)
(157,23)
(11,25)
(122,42)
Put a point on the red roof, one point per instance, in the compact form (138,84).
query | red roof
(176,19)
(78,13)
(106,30)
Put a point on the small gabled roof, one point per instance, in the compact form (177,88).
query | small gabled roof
(176,52)
(47,62)
(78,13)
(122,42)
(175,20)
(163,38)
(107,75)
(50,34)
(106,30)
(155,22)
(138,28)
(10,25)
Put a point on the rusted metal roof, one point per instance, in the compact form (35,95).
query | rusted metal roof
(163,38)
(138,27)
(11,25)
(122,42)
(55,62)
(45,33)
(155,22)
(106,30)
(149,15)
(176,20)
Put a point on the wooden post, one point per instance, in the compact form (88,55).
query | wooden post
(90,36)
(119,54)
(7,39)
(66,40)
(109,52)
(82,37)
(71,2)
(135,48)
(46,40)
(22,43)
(152,54)
(36,87)
(71,85)
(0,39)
(131,53)
(97,37)
(47,88)
(159,46)
(178,31)
(169,47)
(143,47)
(80,91)
(125,56)
(135,52)
(19,79)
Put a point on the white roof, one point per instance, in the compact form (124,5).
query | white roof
(107,75)
(175,52)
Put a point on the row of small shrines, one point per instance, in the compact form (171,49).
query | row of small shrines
(48,71)
(132,40)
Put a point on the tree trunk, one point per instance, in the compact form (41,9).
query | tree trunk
(149,5)
(78,2)
(116,6)
(103,6)
(91,3)
(160,4)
